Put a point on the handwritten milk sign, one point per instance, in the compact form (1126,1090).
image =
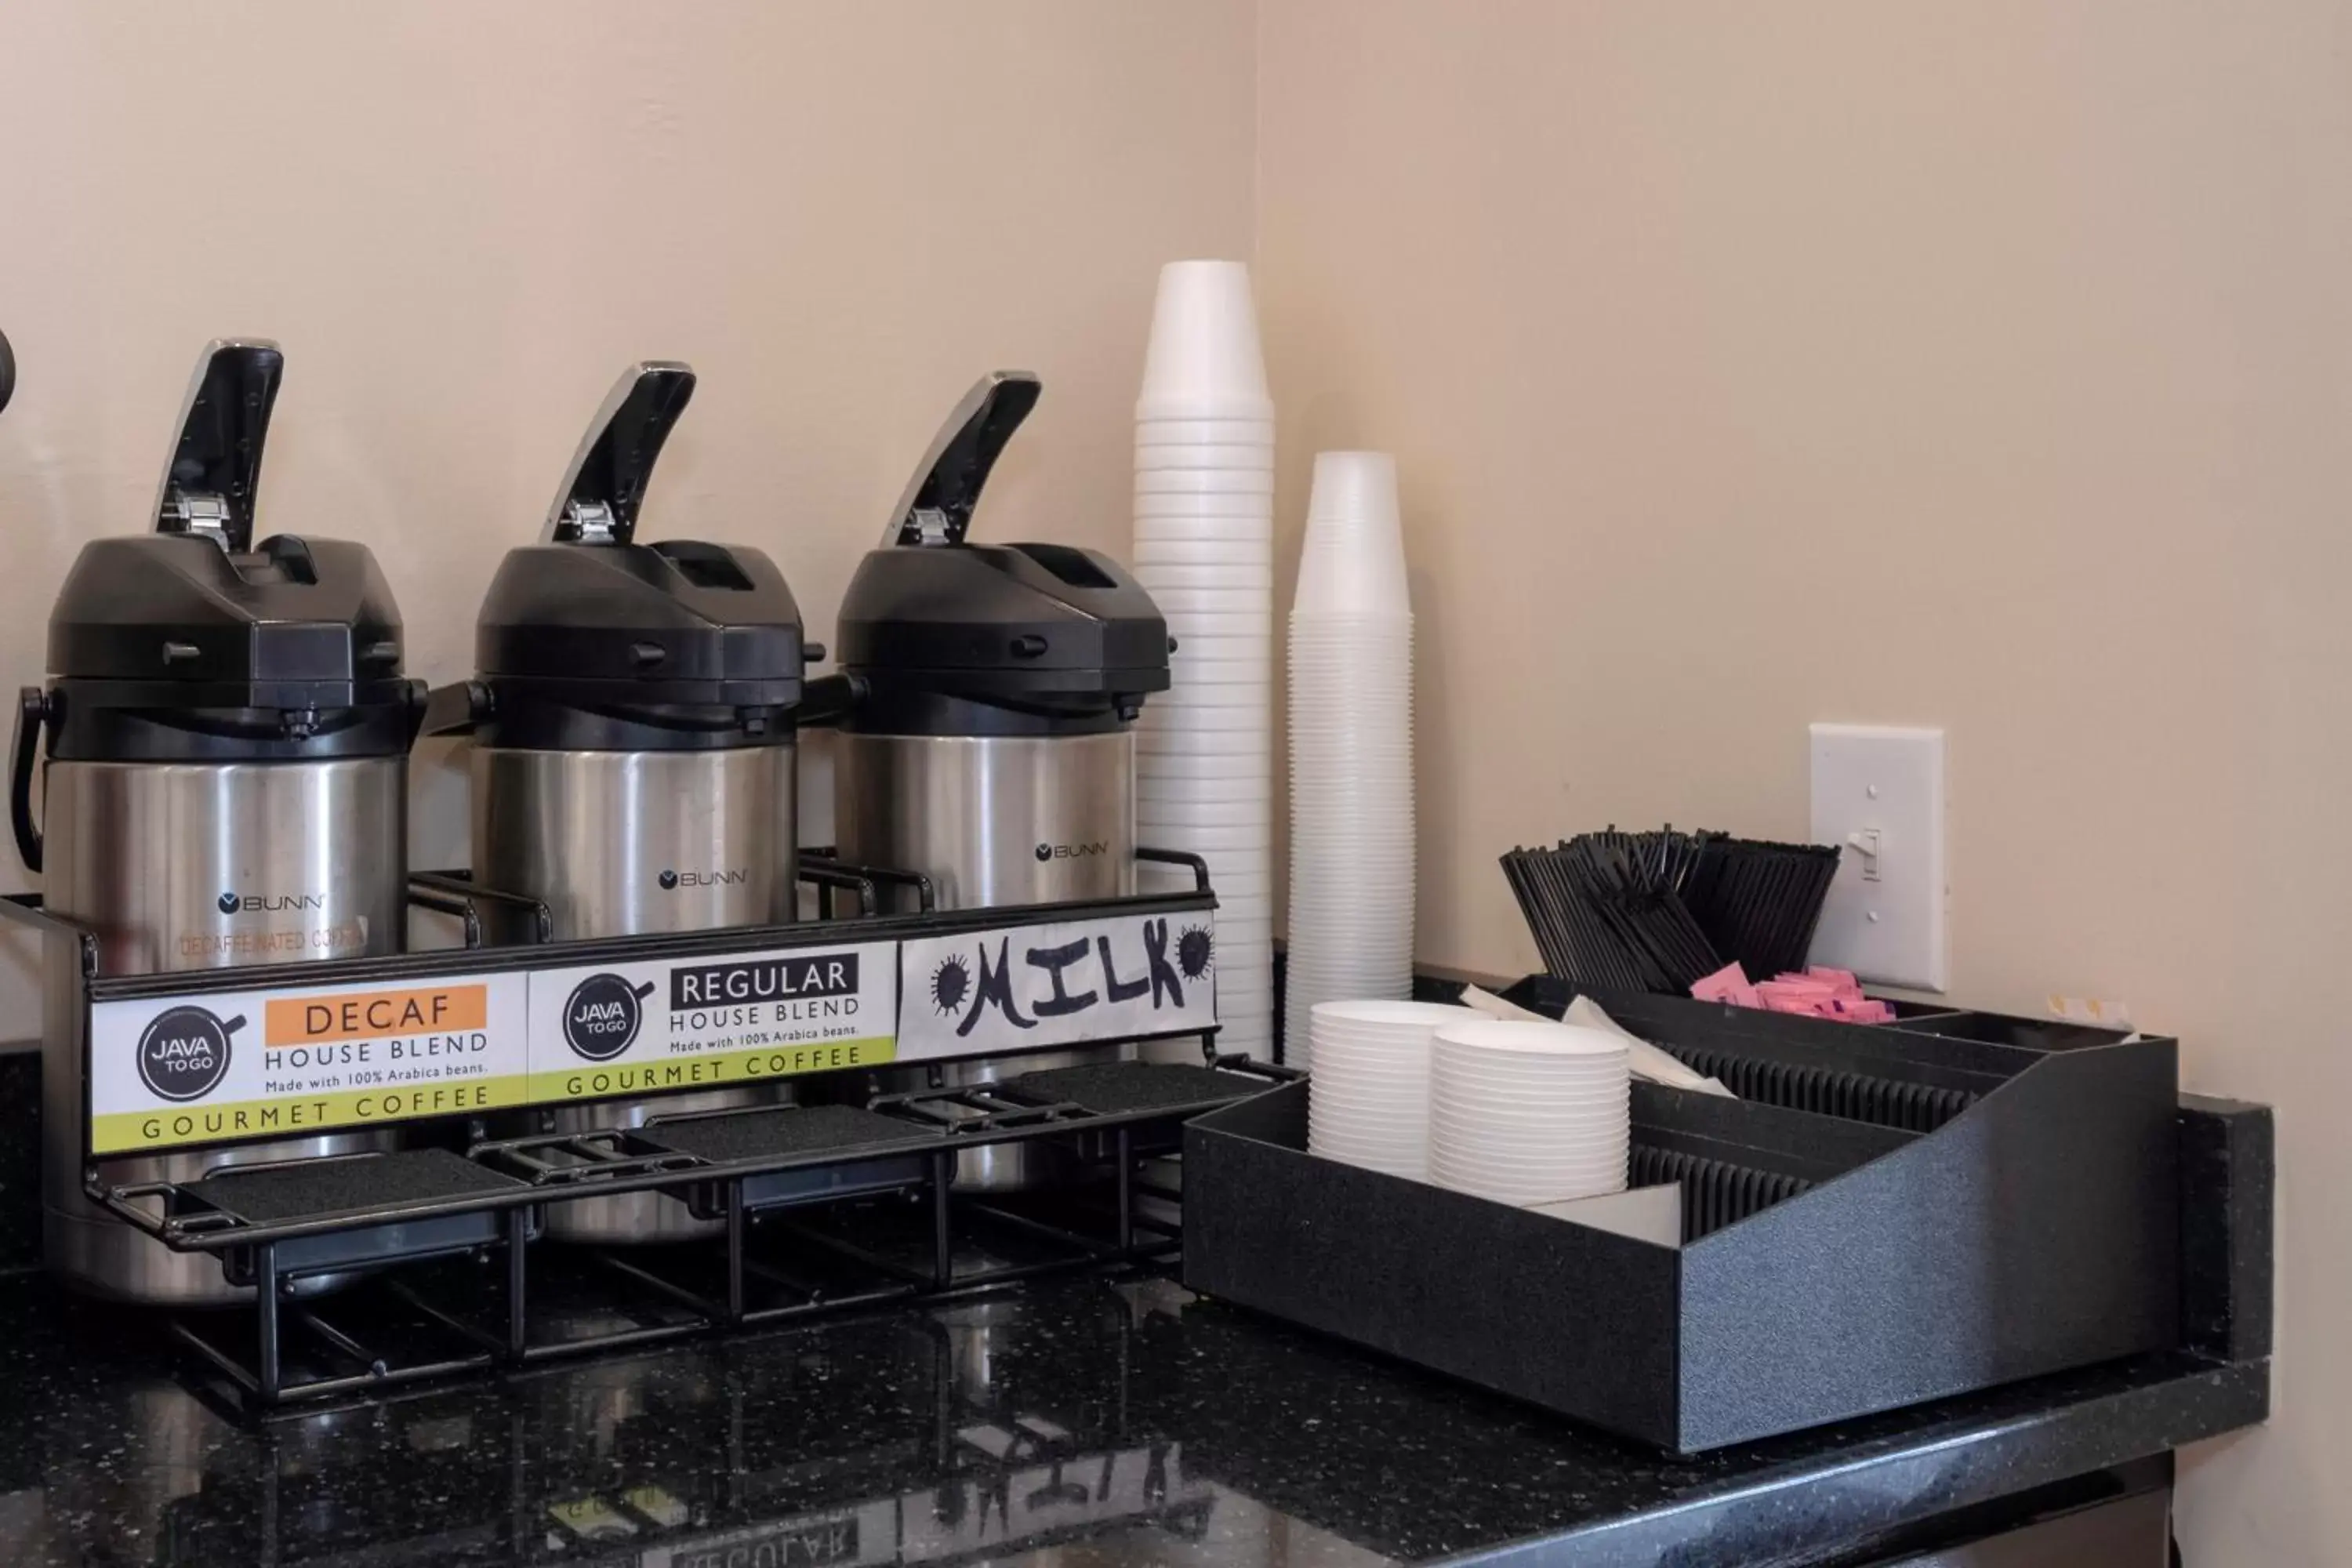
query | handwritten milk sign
(1064,984)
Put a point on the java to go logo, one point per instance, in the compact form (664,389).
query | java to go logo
(1072,851)
(602,1015)
(183,1052)
(268,904)
(670,879)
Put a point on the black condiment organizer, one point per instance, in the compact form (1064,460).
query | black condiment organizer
(1904,1213)
(865,1202)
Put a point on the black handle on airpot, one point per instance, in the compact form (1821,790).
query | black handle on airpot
(601,491)
(940,498)
(215,464)
(456,709)
(32,702)
(32,710)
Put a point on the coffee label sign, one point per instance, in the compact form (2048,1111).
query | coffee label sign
(711,1023)
(181,1072)
(252,1064)
(1059,983)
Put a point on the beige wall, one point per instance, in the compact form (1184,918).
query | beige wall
(1979,364)
(1984,365)
(462,220)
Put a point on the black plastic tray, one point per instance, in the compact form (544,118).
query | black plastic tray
(1831,1264)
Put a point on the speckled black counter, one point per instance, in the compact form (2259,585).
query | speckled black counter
(1120,1421)
(1114,1423)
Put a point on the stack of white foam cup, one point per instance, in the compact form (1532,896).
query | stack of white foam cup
(1528,1114)
(1204,550)
(1369,1105)
(1350,710)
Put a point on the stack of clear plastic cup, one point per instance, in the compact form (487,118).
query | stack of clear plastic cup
(1204,551)
(1351,794)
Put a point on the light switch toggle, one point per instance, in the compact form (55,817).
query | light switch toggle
(1864,844)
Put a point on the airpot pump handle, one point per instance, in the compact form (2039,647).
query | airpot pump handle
(938,506)
(215,464)
(598,501)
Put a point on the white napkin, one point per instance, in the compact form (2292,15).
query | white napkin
(1646,1060)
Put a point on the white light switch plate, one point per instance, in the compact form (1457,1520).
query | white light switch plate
(1883,787)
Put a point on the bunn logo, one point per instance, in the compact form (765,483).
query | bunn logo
(703,879)
(268,904)
(1073,851)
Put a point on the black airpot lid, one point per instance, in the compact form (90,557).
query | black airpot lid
(589,639)
(192,640)
(1011,620)
(1047,629)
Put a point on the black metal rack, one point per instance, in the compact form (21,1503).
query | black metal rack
(441,1229)
(483,1206)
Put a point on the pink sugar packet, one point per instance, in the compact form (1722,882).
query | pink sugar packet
(1796,997)
(1820,991)
(1728,984)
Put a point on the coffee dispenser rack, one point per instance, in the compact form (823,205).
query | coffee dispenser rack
(824,1207)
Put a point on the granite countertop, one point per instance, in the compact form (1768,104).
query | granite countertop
(1087,1420)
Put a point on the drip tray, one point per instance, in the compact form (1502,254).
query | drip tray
(318,1190)
(1115,1089)
(783,1132)
(1170,1090)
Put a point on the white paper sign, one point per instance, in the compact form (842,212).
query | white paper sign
(710,1023)
(1067,983)
(243,1064)
(230,1065)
